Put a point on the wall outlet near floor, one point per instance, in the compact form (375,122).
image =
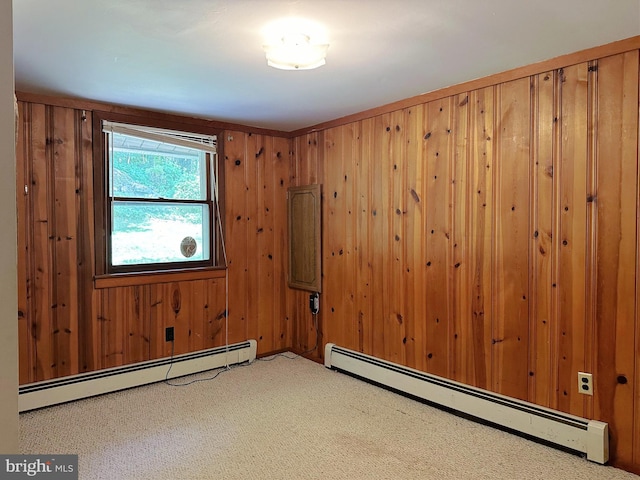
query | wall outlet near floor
(168,334)
(585,383)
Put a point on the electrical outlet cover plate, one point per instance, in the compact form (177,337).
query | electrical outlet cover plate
(585,383)
(168,334)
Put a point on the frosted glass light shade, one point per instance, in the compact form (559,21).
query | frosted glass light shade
(295,52)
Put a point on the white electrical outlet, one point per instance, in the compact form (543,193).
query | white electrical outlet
(585,383)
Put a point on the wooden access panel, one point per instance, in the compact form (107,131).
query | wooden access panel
(304,222)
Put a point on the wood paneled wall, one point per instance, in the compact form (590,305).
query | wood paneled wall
(68,326)
(257,171)
(491,237)
(55,254)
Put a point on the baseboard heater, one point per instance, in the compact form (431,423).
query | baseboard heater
(584,436)
(60,390)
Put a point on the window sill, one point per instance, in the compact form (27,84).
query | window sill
(149,278)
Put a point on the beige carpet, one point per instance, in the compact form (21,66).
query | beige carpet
(285,419)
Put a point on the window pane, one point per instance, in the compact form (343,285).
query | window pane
(142,168)
(157,233)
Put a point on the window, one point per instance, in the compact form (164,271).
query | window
(160,193)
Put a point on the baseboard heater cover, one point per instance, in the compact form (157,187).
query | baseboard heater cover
(74,387)
(589,437)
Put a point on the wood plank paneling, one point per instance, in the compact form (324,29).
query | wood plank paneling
(170,308)
(87,296)
(280,160)
(391,319)
(43,277)
(511,252)
(592,222)
(214,320)
(542,354)
(572,236)
(307,164)
(617,173)
(266,243)
(256,183)
(348,206)
(206,307)
(462,331)
(26,352)
(362,239)
(481,234)
(414,198)
(437,236)
(333,235)
(236,223)
(135,316)
(378,245)
(114,302)
(397,215)
(635,463)
(55,264)
(254,229)
(65,261)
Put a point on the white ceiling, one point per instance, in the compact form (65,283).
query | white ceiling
(204,58)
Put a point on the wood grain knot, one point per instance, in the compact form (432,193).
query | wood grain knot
(176,301)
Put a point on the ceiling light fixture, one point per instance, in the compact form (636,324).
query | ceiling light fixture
(295,51)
